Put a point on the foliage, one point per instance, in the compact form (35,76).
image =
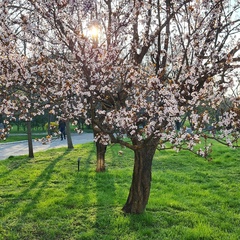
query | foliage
(47,198)
(53,127)
(4,130)
(79,77)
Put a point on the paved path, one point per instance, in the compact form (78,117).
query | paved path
(21,147)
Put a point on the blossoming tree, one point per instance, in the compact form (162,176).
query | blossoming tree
(154,63)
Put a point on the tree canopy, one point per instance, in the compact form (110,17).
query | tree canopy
(132,69)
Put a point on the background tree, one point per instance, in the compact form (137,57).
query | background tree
(31,76)
(70,25)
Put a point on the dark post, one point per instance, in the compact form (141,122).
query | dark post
(79,163)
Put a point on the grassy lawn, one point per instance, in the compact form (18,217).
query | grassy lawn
(47,198)
(21,135)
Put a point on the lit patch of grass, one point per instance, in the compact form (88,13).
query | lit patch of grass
(47,198)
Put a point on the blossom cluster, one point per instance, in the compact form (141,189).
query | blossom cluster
(144,83)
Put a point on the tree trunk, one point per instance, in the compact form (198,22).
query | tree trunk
(30,143)
(49,125)
(101,150)
(69,138)
(141,179)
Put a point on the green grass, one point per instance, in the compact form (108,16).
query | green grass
(47,198)
(21,135)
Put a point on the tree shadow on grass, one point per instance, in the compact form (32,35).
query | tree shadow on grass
(29,194)
(81,181)
(91,199)
(105,203)
(13,163)
(79,193)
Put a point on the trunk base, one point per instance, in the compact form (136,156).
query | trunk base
(101,150)
(141,179)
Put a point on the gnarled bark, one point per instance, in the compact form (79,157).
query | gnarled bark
(141,179)
(101,150)
(69,137)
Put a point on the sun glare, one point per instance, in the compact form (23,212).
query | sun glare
(94,31)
